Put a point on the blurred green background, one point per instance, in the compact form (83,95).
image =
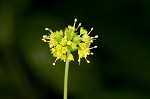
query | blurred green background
(119,69)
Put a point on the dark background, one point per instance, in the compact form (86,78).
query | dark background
(119,69)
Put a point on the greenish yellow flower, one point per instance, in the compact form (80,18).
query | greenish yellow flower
(63,42)
(68,40)
(70,57)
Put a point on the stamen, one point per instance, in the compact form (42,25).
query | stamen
(44,40)
(78,26)
(55,61)
(96,36)
(87,60)
(75,20)
(48,30)
(90,31)
(93,47)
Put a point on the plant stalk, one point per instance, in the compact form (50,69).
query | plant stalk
(66,75)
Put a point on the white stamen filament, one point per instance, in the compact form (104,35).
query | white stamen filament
(96,36)
(75,20)
(49,30)
(78,26)
(90,31)
(87,60)
(93,47)
(55,61)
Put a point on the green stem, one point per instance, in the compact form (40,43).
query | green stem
(66,76)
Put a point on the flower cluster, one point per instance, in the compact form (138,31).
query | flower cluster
(71,39)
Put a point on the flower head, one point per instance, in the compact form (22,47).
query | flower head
(70,40)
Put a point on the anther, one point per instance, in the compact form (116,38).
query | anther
(96,36)
(75,20)
(95,46)
(44,36)
(92,53)
(79,24)
(46,28)
(88,61)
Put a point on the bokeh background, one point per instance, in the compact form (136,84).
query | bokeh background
(119,69)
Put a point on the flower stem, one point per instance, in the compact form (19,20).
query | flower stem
(66,75)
